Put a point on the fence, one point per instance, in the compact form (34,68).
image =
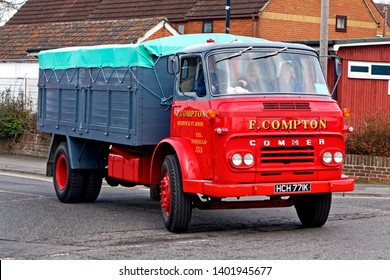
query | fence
(26,86)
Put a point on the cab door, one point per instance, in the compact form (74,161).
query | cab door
(190,108)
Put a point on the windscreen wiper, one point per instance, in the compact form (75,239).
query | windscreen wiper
(270,54)
(234,55)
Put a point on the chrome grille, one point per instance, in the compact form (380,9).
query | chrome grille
(287,155)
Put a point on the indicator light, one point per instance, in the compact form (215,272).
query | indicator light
(212,113)
(346,112)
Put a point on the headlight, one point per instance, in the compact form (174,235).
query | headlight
(338,157)
(248,159)
(327,157)
(237,159)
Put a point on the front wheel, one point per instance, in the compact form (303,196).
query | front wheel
(313,210)
(176,206)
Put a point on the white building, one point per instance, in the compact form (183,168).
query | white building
(20,77)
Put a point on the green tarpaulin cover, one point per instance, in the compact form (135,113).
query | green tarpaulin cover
(127,55)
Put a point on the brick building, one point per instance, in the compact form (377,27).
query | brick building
(269,19)
(282,21)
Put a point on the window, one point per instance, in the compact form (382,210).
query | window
(180,28)
(341,23)
(188,73)
(248,74)
(207,27)
(369,70)
(192,77)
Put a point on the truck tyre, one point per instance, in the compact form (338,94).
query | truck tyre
(68,183)
(313,210)
(92,187)
(175,204)
(155,192)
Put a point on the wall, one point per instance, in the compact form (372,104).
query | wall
(300,20)
(242,26)
(35,145)
(368,168)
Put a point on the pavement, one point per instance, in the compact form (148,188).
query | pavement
(37,167)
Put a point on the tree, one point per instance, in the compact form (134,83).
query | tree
(8,8)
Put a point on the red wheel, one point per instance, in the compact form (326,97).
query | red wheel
(61,171)
(165,194)
(68,183)
(176,206)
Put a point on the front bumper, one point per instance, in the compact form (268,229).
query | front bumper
(208,188)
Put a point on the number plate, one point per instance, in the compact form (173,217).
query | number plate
(295,188)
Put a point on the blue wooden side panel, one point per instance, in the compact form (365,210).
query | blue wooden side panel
(122,106)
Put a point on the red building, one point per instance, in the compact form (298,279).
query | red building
(364,85)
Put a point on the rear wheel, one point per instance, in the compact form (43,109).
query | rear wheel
(176,206)
(68,183)
(313,210)
(92,186)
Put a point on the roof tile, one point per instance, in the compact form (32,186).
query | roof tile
(17,39)
(41,11)
(45,11)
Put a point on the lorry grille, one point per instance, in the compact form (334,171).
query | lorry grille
(286,106)
(287,155)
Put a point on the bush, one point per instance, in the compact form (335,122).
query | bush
(372,138)
(14,118)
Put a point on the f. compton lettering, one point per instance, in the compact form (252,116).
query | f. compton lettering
(192,114)
(287,124)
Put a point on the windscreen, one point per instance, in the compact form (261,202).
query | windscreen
(276,71)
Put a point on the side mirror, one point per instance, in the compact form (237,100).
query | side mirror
(173,65)
(337,66)
(337,75)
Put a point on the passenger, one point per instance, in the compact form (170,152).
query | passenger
(287,79)
(255,79)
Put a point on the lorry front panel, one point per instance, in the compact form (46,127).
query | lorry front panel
(287,146)
(275,138)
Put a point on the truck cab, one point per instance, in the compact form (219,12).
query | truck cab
(258,120)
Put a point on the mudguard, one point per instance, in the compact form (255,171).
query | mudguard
(84,154)
(189,165)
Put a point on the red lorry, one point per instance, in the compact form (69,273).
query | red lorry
(202,120)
